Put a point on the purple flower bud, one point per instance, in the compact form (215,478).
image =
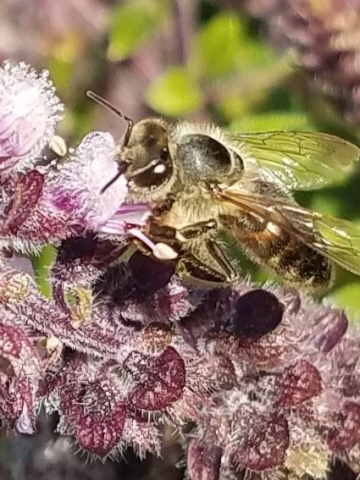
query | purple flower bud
(100,434)
(19,376)
(149,274)
(345,432)
(257,313)
(28,190)
(29,112)
(297,384)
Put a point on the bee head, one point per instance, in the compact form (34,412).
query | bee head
(143,155)
(149,164)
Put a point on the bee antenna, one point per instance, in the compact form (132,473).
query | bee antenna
(121,170)
(101,101)
(110,182)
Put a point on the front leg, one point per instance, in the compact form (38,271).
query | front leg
(205,261)
(182,235)
(201,256)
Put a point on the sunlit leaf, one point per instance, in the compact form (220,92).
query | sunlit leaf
(249,89)
(216,48)
(42,264)
(174,93)
(133,22)
(254,53)
(235,105)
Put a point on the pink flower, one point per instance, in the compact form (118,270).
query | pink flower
(76,188)
(29,112)
(43,205)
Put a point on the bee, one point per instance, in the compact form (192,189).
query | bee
(208,188)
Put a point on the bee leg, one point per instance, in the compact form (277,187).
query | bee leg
(182,235)
(164,206)
(162,232)
(202,258)
(189,268)
(195,230)
(218,255)
(206,262)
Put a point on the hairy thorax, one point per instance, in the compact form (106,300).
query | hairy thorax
(195,204)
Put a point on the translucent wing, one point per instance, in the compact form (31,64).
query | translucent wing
(299,160)
(340,240)
(334,238)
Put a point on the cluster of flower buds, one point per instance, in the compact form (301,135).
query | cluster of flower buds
(262,382)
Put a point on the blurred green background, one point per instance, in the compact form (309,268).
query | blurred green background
(249,65)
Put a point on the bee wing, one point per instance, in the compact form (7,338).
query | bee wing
(334,238)
(299,160)
(340,240)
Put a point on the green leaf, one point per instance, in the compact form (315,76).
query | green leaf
(216,49)
(61,73)
(174,93)
(42,264)
(250,90)
(272,121)
(255,53)
(235,105)
(347,297)
(133,22)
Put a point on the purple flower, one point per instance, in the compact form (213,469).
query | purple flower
(19,377)
(29,112)
(49,206)
(77,188)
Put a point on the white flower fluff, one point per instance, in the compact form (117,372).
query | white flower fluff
(29,113)
(77,186)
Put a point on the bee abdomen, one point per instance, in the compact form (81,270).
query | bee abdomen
(294,261)
(299,264)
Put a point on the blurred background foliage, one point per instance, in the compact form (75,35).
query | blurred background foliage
(246,65)
(249,65)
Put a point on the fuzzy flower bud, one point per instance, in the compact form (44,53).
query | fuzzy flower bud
(29,112)
(77,187)
(50,206)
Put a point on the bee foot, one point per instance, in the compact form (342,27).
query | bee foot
(162,251)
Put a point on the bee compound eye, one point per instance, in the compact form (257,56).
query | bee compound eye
(258,312)
(204,157)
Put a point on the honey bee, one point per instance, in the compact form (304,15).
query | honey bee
(208,188)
